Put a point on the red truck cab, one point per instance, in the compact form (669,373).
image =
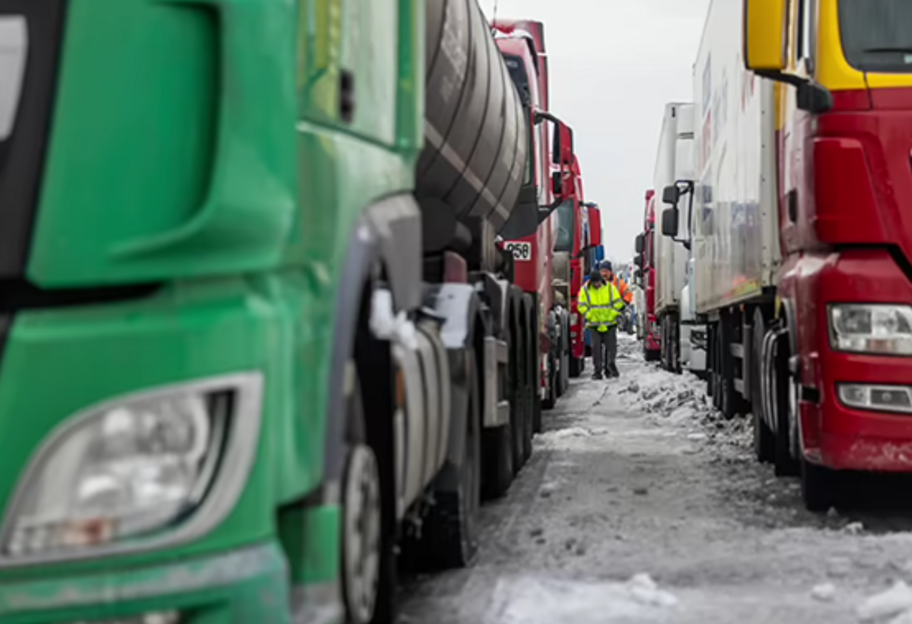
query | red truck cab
(580,232)
(843,309)
(521,42)
(652,345)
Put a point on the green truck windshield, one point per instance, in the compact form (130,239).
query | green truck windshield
(876,34)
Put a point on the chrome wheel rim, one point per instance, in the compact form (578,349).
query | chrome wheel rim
(362,541)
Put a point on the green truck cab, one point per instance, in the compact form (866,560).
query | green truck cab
(232,366)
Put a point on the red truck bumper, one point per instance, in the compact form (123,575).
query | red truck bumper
(833,433)
(846,438)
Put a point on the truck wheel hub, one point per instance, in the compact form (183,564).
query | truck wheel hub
(362,541)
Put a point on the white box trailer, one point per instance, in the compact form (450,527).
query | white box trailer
(674,162)
(735,209)
(735,206)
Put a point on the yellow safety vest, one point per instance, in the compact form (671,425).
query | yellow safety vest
(601,307)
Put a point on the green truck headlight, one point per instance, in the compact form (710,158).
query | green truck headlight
(128,468)
(871,328)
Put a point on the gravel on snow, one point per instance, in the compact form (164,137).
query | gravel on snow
(642,504)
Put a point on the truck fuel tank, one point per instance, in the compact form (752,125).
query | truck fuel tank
(476,131)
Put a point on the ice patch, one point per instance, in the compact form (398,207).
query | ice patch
(549,488)
(825,592)
(893,601)
(548,601)
(645,590)
(570,432)
(854,528)
(682,414)
(902,618)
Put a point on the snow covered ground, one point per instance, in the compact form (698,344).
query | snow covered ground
(641,504)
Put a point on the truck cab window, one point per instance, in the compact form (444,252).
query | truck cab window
(876,36)
(566,217)
(544,165)
(520,78)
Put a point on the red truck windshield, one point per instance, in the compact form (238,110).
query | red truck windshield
(877,34)
(521,81)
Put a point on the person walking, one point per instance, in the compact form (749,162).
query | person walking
(600,303)
(610,276)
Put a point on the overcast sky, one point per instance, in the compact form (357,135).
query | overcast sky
(614,64)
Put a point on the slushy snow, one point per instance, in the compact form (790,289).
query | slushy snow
(824,592)
(896,601)
(527,600)
(643,504)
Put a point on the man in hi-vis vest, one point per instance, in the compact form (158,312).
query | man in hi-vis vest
(600,303)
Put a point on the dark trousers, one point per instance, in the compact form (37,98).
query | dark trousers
(604,340)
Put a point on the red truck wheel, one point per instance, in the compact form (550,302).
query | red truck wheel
(783,458)
(764,440)
(550,399)
(528,388)
(576,366)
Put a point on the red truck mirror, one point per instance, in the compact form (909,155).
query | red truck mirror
(640,244)
(556,145)
(566,144)
(561,140)
(524,220)
(595,226)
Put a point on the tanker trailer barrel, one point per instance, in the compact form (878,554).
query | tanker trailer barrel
(476,132)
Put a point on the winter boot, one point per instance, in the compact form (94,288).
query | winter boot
(614,370)
(596,376)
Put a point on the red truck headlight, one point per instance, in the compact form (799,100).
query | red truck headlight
(871,328)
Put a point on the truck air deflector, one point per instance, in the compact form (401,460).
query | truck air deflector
(30,40)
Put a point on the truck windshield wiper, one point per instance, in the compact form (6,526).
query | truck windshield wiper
(888,50)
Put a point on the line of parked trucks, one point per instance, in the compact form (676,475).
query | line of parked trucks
(782,268)
(284,288)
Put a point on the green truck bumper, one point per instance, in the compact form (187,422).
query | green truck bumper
(247,585)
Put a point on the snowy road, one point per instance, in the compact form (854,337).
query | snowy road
(640,505)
